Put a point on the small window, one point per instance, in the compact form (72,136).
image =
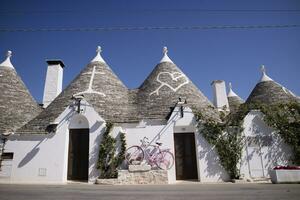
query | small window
(7,156)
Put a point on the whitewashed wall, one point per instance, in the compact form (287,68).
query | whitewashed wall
(209,168)
(155,133)
(44,158)
(262,155)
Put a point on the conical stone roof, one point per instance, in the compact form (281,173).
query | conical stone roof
(101,88)
(162,89)
(17,106)
(268,91)
(234,100)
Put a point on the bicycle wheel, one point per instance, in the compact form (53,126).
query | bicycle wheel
(150,154)
(165,160)
(134,155)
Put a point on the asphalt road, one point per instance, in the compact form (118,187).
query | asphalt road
(157,192)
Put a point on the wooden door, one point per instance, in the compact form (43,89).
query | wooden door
(78,160)
(185,156)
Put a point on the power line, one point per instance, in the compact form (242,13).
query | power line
(44,12)
(150,28)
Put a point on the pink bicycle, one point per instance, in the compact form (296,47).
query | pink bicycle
(152,154)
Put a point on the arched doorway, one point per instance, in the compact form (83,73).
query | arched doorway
(78,156)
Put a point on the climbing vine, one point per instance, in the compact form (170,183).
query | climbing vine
(285,119)
(110,158)
(226,135)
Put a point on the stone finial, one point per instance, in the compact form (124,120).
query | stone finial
(262,69)
(98,50)
(165,50)
(231,93)
(264,76)
(98,57)
(165,57)
(9,54)
(6,62)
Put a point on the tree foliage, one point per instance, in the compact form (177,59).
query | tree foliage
(109,158)
(227,140)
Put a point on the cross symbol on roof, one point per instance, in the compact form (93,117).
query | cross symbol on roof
(90,88)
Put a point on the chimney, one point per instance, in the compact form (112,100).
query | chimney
(220,96)
(53,82)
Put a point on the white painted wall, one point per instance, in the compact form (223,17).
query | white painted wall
(155,132)
(44,158)
(37,153)
(209,168)
(262,155)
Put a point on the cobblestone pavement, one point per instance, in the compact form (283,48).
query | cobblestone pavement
(157,192)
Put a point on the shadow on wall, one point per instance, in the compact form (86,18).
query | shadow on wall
(272,147)
(164,129)
(41,138)
(93,158)
(207,153)
(31,154)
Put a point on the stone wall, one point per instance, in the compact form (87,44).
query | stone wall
(126,177)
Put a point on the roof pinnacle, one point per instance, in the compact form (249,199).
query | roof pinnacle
(6,62)
(98,50)
(165,57)
(165,50)
(98,57)
(264,76)
(231,93)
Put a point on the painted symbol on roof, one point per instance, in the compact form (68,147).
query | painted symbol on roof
(174,81)
(90,88)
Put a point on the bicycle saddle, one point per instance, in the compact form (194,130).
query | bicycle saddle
(158,143)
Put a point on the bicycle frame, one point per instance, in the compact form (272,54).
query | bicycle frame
(151,157)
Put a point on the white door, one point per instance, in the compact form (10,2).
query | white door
(255,162)
(5,171)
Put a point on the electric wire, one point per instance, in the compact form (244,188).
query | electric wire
(45,12)
(151,28)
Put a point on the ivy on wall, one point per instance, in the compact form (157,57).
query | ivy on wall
(109,159)
(226,135)
(285,119)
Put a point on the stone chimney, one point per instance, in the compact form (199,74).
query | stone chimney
(53,82)
(220,97)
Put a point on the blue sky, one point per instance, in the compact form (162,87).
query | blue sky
(233,55)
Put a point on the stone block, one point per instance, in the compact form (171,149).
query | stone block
(133,178)
(139,168)
(112,181)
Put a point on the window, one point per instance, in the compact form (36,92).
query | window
(7,156)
